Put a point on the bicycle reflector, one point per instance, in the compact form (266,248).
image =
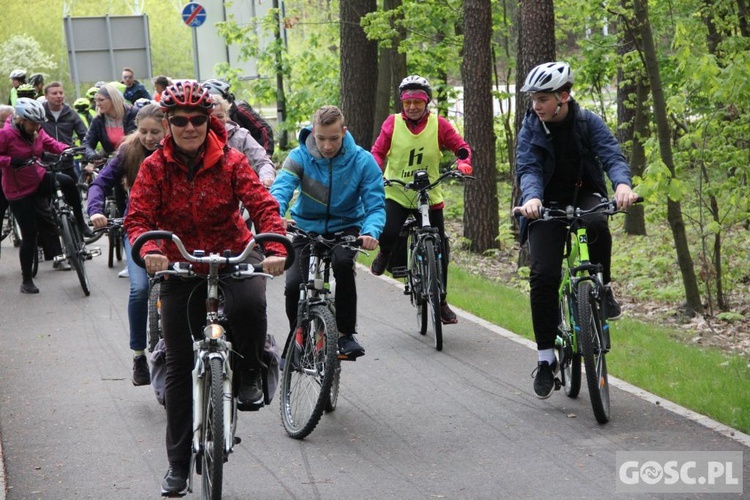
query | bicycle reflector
(213,331)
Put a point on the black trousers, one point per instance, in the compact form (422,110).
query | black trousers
(346,286)
(546,245)
(395,216)
(184,313)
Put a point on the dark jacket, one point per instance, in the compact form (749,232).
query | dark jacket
(246,117)
(135,92)
(535,156)
(97,133)
(67,123)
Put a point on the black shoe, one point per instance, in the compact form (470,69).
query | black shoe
(614,311)
(141,373)
(349,347)
(28,286)
(250,395)
(544,381)
(447,316)
(175,480)
(61,265)
(379,264)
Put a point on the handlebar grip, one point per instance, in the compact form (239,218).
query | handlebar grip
(278,238)
(639,199)
(142,239)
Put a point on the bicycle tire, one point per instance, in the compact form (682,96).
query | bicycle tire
(35,262)
(568,355)
(308,373)
(74,251)
(15,235)
(432,287)
(212,431)
(119,244)
(333,394)
(83,192)
(154,316)
(112,238)
(417,295)
(594,356)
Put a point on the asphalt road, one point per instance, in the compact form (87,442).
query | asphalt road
(411,423)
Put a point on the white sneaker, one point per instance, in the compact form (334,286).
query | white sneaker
(123,274)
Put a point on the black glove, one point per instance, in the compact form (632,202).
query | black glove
(18,162)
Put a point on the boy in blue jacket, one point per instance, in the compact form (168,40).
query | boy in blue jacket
(562,155)
(340,189)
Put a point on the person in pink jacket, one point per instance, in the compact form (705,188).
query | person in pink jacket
(26,184)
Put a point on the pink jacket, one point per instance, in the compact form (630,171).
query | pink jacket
(21,182)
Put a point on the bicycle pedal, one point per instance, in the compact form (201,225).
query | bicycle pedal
(558,384)
(399,272)
(237,440)
(93,252)
(346,357)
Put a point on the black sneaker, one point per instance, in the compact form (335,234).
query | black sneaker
(614,311)
(447,316)
(349,347)
(28,286)
(250,395)
(379,264)
(175,480)
(544,381)
(141,373)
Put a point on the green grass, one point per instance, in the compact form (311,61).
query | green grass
(653,358)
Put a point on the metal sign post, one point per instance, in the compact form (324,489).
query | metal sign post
(194,15)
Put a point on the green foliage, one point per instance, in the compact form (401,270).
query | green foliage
(23,51)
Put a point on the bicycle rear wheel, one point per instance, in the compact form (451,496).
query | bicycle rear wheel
(432,288)
(568,355)
(74,250)
(592,351)
(309,371)
(212,431)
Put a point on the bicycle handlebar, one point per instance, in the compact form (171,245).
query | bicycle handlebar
(418,185)
(55,160)
(608,208)
(212,258)
(338,238)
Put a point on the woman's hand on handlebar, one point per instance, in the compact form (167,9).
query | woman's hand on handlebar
(99,221)
(156,262)
(273,265)
(368,242)
(531,209)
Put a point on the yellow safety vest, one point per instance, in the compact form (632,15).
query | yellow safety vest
(410,152)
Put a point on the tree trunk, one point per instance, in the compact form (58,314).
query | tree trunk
(536,45)
(632,119)
(359,61)
(674,208)
(480,197)
(383,99)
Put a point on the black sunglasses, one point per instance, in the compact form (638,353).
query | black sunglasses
(182,121)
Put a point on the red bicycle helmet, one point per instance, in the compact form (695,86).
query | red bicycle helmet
(186,95)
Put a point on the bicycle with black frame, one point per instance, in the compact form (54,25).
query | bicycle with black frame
(583,332)
(214,392)
(311,358)
(73,243)
(423,272)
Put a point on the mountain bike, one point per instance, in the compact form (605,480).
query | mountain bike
(584,328)
(10,228)
(74,246)
(311,359)
(115,232)
(86,177)
(423,272)
(214,397)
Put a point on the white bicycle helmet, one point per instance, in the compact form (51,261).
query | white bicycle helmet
(548,77)
(216,86)
(415,82)
(30,109)
(17,74)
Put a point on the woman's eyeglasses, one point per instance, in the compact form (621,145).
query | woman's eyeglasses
(182,121)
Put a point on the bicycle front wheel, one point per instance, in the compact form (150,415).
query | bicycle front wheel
(592,351)
(311,362)
(333,395)
(73,247)
(432,288)
(212,431)
(568,355)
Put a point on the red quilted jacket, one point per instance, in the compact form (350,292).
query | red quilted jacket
(203,210)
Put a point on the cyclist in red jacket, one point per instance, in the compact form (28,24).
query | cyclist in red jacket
(192,187)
